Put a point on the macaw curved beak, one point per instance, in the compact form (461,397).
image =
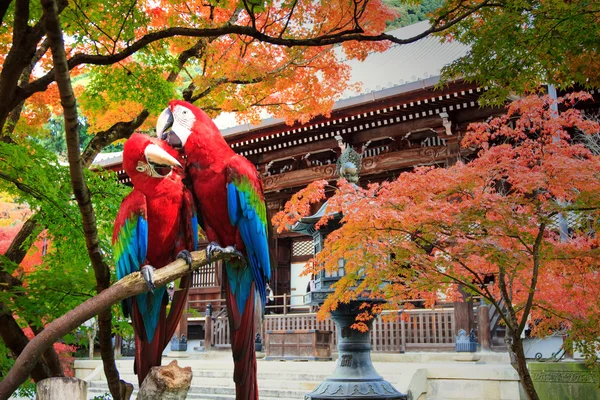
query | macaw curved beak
(163,129)
(159,159)
(164,123)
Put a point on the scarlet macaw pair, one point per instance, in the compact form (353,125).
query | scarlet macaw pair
(157,220)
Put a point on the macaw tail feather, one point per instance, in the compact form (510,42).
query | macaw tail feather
(148,354)
(240,281)
(242,344)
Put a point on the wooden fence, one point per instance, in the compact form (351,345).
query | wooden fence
(424,329)
(207,276)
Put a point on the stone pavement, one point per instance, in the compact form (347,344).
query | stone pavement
(426,375)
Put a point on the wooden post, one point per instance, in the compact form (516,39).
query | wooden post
(118,345)
(402,336)
(208,328)
(284,304)
(182,326)
(62,388)
(463,313)
(483,326)
(168,382)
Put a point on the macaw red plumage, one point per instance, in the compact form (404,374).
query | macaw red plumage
(231,202)
(156,224)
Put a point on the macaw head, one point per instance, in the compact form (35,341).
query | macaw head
(147,160)
(182,123)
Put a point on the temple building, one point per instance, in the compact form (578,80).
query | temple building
(402,118)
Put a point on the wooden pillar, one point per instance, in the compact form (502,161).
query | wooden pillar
(182,326)
(463,313)
(62,388)
(483,327)
(208,328)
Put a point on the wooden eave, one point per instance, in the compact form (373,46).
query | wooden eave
(408,105)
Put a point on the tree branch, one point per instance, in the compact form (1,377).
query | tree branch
(21,20)
(120,130)
(322,40)
(14,338)
(130,285)
(534,276)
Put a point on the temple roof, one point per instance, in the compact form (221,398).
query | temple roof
(402,67)
(407,63)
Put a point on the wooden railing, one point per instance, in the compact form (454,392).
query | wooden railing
(424,329)
(390,333)
(220,330)
(281,304)
(207,276)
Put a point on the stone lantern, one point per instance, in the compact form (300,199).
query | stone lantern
(354,376)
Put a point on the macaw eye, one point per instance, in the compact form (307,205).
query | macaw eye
(140,168)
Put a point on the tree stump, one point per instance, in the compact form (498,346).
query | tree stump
(62,388)
(169,382)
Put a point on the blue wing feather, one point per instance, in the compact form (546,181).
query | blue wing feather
(253,231)
(195,230)
(130,241)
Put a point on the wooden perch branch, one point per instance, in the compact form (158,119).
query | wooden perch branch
(130,285)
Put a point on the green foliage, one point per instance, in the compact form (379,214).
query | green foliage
(55,140)
(518,46)
(411,12)
(103,22)
(64,278)
(105,396)
(140,82)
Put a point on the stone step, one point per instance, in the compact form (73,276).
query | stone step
(197,392)
(262,376)
(92,392)
(226,381)
(280,393)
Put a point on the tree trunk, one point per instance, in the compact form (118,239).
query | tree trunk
(15,340)
(82,194)
(169,382)
(62,388)
(518,361)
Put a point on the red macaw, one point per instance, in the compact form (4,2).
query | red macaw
(156,224)
(231,203)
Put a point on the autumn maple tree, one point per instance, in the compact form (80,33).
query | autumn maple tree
(490,227)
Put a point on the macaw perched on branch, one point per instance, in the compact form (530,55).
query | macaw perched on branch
(155,225)
(231,203)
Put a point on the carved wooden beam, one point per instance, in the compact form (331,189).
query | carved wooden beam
(370,166)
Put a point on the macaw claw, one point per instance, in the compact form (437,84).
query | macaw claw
(148,275)
(187,256)
(213,248)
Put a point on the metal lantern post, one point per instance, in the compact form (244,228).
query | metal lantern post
(354,376)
